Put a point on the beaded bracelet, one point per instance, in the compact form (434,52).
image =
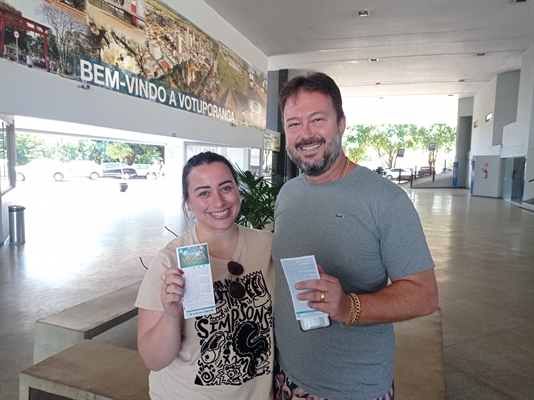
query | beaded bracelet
(355,311)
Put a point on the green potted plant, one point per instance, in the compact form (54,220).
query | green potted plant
(257,200)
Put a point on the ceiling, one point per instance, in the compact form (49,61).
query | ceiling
(423,47)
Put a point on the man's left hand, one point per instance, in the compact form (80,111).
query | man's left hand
(326,295)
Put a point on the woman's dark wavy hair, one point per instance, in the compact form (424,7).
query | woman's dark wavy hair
(316,82)
(205,158)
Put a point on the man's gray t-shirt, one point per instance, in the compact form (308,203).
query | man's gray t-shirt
(362,229)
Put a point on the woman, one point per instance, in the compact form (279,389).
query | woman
(229,353)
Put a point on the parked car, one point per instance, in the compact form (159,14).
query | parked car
(42,169)
(424,171)
(393,173)
(118,170)
(148,171)
(85,169)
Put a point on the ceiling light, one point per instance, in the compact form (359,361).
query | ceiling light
(363,13)
(481,54)
(373,60)
(380,98)
(519,1)
(450,95)
(461,80)
(378,83)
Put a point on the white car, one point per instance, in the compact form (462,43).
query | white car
(85,169)
(42,169)
(393,173)
(148,171)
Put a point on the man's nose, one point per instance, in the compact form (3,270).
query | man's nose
(306,131)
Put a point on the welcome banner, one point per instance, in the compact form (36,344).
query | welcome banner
(139,48)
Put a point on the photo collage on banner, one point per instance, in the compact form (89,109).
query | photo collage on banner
(141,48)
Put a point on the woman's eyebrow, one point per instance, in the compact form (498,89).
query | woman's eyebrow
(209,187)
(201,187)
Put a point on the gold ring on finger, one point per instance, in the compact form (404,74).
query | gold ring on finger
(323,296)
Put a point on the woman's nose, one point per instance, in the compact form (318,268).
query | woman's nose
(218,199)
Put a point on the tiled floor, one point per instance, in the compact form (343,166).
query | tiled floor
(84,239)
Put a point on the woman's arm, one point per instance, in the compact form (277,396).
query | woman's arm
(159,338)
(159,334)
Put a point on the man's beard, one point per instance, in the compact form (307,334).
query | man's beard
(318,167)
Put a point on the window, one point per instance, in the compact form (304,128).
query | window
(489,117)
(6,135)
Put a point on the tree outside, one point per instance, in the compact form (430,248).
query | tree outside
(362,142)
(440,135)
(31,147)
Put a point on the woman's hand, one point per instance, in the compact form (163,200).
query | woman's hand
(326,295)
(172,292)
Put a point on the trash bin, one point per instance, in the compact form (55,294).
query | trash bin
(16,224)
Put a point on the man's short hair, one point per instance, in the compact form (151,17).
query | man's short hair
(315,82)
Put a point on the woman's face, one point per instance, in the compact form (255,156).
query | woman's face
(213,196)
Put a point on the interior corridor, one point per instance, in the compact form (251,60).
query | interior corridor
(84,239)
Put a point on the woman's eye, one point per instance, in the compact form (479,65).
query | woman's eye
(201,194)
(227,188)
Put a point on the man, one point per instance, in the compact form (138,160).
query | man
(29,60)
(363,231)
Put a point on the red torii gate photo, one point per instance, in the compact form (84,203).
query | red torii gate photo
(7,16)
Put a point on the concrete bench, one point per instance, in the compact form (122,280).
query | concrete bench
(83,321)
(94,370)
(88,370)
(418,367)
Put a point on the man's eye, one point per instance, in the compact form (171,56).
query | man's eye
(227,188)
(292,124)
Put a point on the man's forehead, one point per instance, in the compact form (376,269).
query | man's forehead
(303,96)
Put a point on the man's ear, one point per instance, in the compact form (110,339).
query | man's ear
(342,125)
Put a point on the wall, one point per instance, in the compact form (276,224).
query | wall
(490,186)
(518,137)
(463,143)
(528,193)
(35,93)
(463,139)
(506,97)
(499,97)
(482,134)
(465,106)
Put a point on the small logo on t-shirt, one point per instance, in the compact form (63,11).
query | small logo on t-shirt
(340,216)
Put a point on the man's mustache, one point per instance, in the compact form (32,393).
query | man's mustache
(310,142)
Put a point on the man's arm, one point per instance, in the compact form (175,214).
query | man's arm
(406,298)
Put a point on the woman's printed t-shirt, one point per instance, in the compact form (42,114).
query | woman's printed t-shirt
(228,354)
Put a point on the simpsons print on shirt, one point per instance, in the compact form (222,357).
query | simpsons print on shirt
(235,341)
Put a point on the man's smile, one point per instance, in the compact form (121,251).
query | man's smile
(311,147)
(308,145)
